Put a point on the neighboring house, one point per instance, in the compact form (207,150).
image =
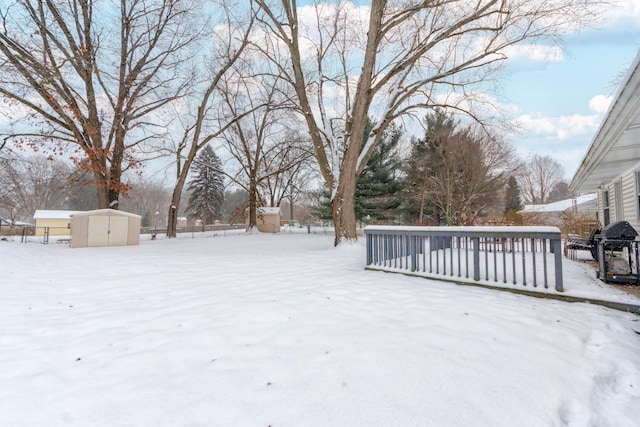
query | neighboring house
(58,223)
(555,214)
(611,167)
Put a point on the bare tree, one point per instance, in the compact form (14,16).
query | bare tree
(89,75)
(538,177)
(402,58)
(211,119)
(263,142)
(146,198)
(32,182)
(289,172)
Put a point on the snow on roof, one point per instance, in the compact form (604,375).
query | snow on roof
(268,210)
(110,211)
(54,214)
(560,206)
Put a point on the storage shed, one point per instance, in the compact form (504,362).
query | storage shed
(268,219)
(104,227)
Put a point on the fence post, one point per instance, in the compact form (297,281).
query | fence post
(476,258)
(557,254)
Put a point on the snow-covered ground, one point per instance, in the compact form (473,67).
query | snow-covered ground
(286,330)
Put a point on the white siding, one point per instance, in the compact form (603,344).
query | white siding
(628,199)
(628,203)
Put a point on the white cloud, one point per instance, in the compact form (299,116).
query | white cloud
(561,127)
(600,103)
(623,14)
(535,53)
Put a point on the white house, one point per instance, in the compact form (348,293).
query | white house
(611,167)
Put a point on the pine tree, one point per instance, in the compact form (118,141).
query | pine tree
(206,187)
(377,188)
(512,199)
(512,202)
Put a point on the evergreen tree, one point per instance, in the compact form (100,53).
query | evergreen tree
(418,171)
(206,188)
(377,188)
(512,200)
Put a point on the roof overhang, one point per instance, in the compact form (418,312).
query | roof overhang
(616,146)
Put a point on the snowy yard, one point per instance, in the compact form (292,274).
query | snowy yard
(285,330)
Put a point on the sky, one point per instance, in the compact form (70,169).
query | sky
(561,99)
(285,330)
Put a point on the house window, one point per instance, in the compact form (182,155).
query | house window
(617,194)
(605,207)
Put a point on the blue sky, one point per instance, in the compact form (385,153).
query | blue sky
(561,101)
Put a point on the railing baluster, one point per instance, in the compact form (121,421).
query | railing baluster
(544,262)
(533,254)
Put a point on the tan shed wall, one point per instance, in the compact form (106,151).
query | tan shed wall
(269,223)
(57,227)
(79,231)
(133,237)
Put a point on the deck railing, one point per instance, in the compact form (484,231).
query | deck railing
(495,256)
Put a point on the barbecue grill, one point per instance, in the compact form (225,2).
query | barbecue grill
(615,248)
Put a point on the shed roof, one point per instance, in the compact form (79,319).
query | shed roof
(105,211)
(269,210)
(615,147)
(54,214)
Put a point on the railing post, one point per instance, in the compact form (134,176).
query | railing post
(557,254)
(476,258)
(369,247)
(412,252)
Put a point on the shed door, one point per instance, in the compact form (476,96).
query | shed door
(108,231)
(98,232)
(118,231)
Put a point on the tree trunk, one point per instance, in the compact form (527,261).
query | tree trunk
(253,201)
(343,210)
(172,216)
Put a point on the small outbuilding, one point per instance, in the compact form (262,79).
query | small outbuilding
(104,227)
(53,222)
(268,219)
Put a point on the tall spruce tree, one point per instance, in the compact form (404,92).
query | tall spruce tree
(512,202)
(377,188)
(512,199)
(206,187)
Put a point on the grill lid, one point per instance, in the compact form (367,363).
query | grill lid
(620,230)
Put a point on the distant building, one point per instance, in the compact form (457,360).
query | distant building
(56,222)
(566,214)
(268,219)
